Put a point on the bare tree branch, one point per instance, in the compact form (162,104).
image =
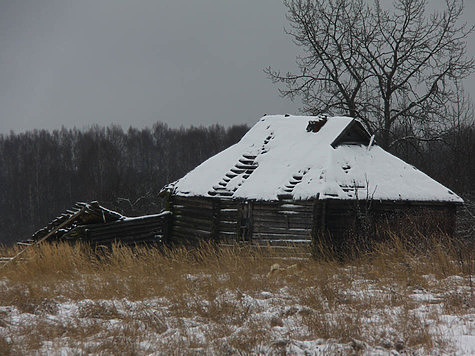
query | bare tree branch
(381,65)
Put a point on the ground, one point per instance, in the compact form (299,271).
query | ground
(65,299)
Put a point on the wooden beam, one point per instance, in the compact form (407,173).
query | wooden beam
(47,236)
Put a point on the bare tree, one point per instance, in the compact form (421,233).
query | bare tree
(387,66)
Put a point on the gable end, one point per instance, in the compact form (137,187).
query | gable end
(353,134)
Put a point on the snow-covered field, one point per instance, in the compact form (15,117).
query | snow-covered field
(227,303)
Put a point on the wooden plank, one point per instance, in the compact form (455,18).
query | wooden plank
(279,229)
(229,231)
(191,230)
(196,219)
(286,221)
(124,227)
(287,243)
(190,225)
(279,209)
(229,217)
(128,239)
(286,206)
(94,235)
(192,201)
(229,204)
(264,225)
(227,224)
(194,212)
(281,234)
(280,213)
(47,236)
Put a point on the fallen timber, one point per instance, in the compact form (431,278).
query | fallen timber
(93,224)
(56,227)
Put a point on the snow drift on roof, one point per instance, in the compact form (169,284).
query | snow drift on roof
(278,158)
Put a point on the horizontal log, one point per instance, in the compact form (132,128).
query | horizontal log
(282,221)
(227,233)
(278,209)
(192,222)
(192,209)
(261,228)
(231,232)
(227,226)
(275,215)
(193,218)
(275,235)
(128,230)
(228,220)
(124,227)
(192,225)
(192,201)
(281,213)
(129,240)
(264,228)
(228,217)
(286,243)
(290,207)
(283,201)
(131,221)
(123,237)
(124,233)
(229,204)
(286,221)
(193,232)
(279,235)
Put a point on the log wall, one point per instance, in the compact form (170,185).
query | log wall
(224,220)
(131,231)
(283,222)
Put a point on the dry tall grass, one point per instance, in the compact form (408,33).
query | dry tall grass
(139,300)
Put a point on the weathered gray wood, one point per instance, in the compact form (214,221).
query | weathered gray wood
(187,225)
(263,228)
(126,226)
(129,239)
(227,224)
(192,231)
(193,218)
(284,206)
(192,201)
(284,222)
(194,211)
(288,243)
(44,238)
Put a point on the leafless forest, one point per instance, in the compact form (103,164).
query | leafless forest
(43,173)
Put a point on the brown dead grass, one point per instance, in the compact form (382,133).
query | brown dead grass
(363,300)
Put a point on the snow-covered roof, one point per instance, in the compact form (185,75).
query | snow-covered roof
(282,157)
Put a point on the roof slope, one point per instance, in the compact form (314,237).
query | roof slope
(279,158)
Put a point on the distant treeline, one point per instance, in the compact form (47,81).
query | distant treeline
(43,173)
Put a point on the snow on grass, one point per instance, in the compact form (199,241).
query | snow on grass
(223,302)
(268,322)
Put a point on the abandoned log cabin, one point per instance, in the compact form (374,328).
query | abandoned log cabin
(291,178)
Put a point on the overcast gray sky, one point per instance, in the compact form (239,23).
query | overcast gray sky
(183,62)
